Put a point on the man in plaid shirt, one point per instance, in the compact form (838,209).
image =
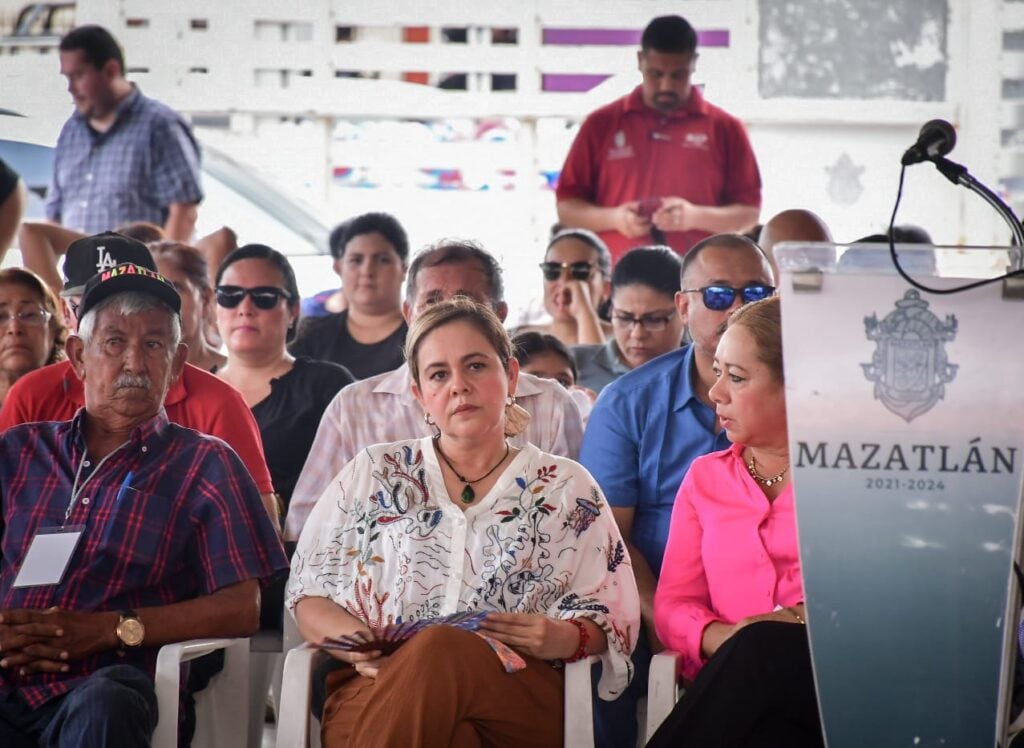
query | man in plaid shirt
(172,540)
(121,156)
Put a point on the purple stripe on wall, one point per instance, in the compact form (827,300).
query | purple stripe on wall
(623,37)
(572,83)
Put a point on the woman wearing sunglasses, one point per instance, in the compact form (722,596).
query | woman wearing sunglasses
(730,597)
(257,309)
(645,321)
(575,269)
(32,330)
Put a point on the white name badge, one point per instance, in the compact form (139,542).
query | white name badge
(48,556)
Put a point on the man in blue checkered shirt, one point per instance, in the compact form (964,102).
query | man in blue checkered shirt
(121,156)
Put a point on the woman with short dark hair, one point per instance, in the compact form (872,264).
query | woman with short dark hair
(645,319)
(370,254)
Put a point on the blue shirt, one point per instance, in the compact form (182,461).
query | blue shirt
(147,160)
(645,430)
(598,365)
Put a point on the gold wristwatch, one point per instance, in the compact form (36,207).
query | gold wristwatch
(130,630)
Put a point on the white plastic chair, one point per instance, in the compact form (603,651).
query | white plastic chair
(220,707)
(297,728)
(663,690)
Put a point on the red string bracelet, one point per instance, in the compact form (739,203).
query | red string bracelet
(581,650)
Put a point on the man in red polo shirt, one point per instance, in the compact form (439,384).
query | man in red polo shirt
(660,165)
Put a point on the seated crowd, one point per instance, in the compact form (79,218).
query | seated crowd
(176,423)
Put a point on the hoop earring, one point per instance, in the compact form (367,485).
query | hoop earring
(517,418)
(427,419)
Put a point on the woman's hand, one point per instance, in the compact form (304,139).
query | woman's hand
(534,634)
(370,667)
(718,633)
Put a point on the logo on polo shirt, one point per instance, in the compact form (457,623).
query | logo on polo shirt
(620,149)
(103,259)
(697,140)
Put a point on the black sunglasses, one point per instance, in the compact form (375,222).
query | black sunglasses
(720,298)
(577,270)
(264,297)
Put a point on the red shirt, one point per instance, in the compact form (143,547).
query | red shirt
(198,400)
(628,151)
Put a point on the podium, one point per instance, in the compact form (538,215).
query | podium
(906,431)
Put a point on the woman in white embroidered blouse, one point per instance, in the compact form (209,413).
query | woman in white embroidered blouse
(462,522)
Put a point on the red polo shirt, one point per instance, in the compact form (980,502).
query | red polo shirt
(198,400)
(628,151)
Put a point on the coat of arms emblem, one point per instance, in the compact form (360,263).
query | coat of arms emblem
(909,367)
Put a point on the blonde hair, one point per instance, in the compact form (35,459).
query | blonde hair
(458,309)
(763,320)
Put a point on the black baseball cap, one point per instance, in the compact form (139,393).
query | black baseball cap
(94,254)
(128,277)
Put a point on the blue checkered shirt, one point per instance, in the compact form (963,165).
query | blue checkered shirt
(133,172)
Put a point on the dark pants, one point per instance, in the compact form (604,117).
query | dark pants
(615,721)
(115,706)
(757,691)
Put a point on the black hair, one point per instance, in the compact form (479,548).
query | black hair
(604,257)
(384,224)
(728,241)
(278,260)
(97,44)
(525,345)
(448,251)
(669,34)
(906,233)
(654,267)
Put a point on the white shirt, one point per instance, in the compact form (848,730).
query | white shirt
(382,409)
(387,544)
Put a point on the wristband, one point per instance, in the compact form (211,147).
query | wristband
(581,650)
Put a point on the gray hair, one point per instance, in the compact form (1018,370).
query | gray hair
(125,303)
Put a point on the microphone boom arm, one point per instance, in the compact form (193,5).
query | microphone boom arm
(958,174)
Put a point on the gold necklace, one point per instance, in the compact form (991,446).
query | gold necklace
(468,494)
(766,481)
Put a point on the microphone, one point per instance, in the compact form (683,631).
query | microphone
(937,138)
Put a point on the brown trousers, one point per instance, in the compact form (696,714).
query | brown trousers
(444,687)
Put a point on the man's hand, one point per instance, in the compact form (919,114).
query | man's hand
(46,640)
(675,214)
(628,220)
(534,634)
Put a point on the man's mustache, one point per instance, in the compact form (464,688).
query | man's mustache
(133,382)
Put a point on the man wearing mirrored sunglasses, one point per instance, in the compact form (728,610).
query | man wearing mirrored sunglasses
(661,164)
(651,423)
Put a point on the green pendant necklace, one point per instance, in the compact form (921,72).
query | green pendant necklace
(468,494)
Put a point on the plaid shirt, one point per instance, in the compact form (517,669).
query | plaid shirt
(147,160)
(189,523)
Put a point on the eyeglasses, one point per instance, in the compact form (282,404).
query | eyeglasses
(580,271)
(37,318)
(264,297)
(720,298)
(650,322)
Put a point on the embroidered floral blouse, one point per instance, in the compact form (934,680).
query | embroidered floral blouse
(387,544)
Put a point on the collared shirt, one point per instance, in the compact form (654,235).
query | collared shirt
(645,430)
(383,409)
(197,399)
(541,541)
(598,365)
(628,151)
(731,554)
(147,160)
(170,515)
